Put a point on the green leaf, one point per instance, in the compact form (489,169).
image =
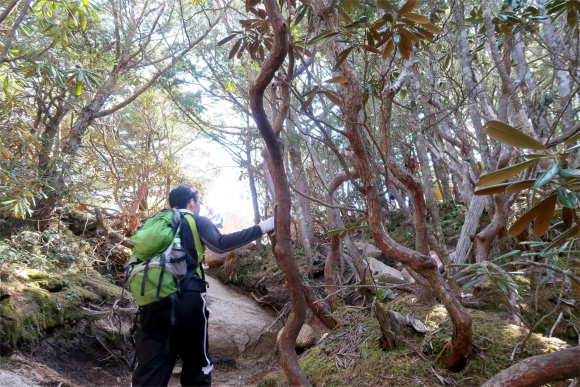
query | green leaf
(459,265)
(380,293)
(341,236)
(563,237)
(309,100)
(510,284)
(333,98)
(408,6)
(79,88)
(83,20)
(337,80)
(389,48)
(568,198)
(320,36)
(527,218)
(567,216)
(547,176)
(533,243)
(342,57)
(429,36)
(510,254)
(503,174)
(507,134)
(470,276)
(334,232)
(226,39)
(544,217)
(492,189)
(431,28)
(384,4)
(575,137)
(349,4)
(470,284)
(300,14)
(235,49)
(548,274)
(569,173)
(417,18)
(502,287)
(358,221)
(520,185)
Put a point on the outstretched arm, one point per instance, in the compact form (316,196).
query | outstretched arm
(222,243)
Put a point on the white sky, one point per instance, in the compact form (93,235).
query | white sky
(226,194)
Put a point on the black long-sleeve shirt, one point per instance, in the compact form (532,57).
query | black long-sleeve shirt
(213,239)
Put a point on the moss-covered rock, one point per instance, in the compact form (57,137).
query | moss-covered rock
(41,292)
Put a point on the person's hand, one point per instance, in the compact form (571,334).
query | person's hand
(267,225)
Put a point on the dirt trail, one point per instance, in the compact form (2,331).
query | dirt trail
(81,368)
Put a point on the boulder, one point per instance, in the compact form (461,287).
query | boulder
(368,250)
(31,373)
(378,268)
(306,337)
(10,379)
(238,327)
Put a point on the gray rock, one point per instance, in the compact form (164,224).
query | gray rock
(378,268)
(306,337)
(10,379)
(368,250)
(238,327)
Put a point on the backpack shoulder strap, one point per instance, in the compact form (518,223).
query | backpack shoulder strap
(199,247)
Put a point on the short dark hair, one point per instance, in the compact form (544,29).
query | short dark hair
(182,194)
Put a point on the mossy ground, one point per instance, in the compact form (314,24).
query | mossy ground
(352,354)
(44,279)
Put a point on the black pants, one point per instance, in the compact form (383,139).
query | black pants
(159,344)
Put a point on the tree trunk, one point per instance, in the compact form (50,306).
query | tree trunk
(539,370)
(421,148)
(300,181)
(469,228)
(317,307)
(443,177)
(253,191)
(472,85)
(564,80)
(281,243)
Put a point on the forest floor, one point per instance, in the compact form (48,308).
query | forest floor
(55,327)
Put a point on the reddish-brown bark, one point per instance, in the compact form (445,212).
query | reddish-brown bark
(318,308)
(283,246)
(539,370)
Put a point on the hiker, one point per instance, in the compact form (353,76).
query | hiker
(159,341)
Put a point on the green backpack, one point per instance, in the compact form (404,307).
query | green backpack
(158,266)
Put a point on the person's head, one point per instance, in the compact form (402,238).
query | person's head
(185,196)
